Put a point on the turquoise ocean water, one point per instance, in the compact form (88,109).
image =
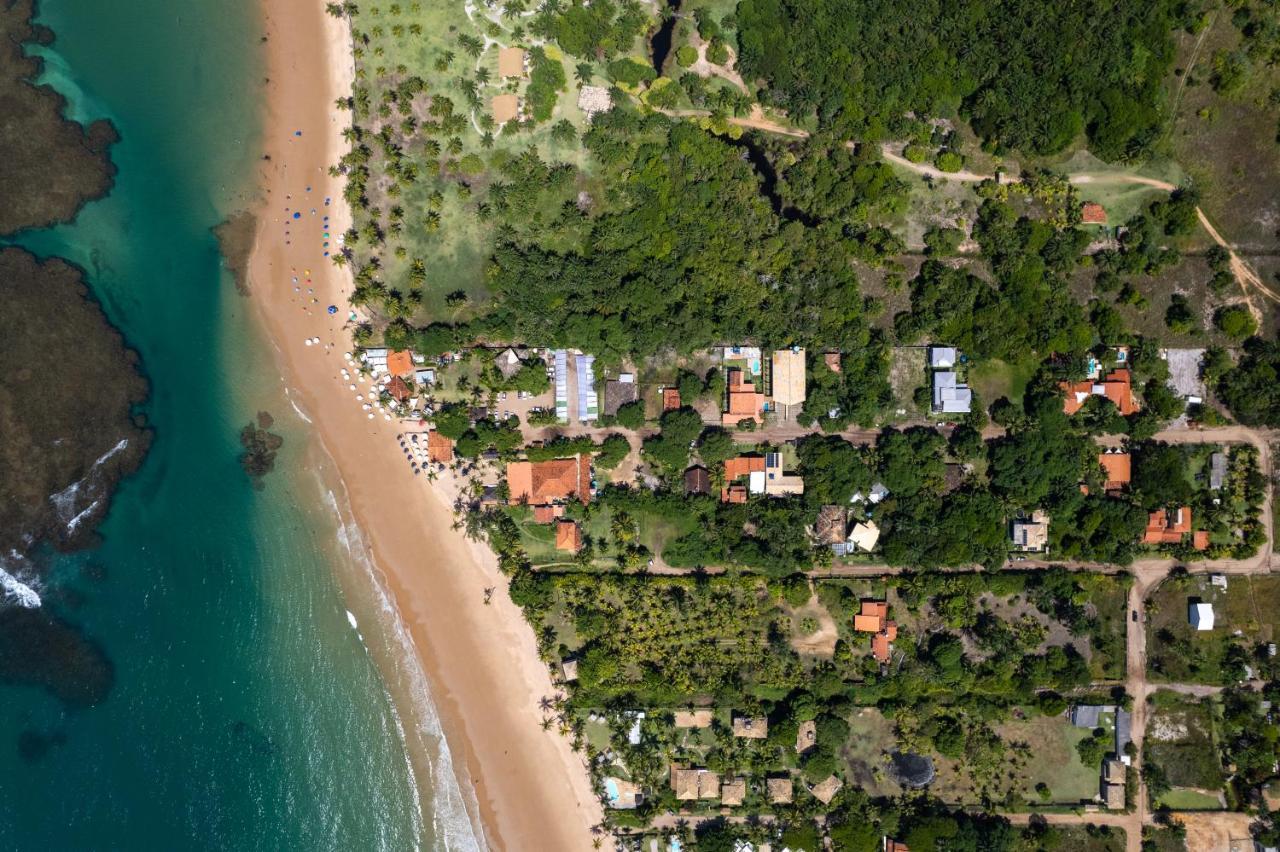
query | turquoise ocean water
(247,711)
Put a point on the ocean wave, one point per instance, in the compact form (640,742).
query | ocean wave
(295,407)
(450,816)
(64,501)
(18,592)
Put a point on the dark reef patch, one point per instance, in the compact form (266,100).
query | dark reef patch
(49,166)
(236,235)
(34,745)
(41,650)
(260,448)
(66,406)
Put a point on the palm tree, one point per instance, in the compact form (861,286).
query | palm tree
(471,45)
(582,73)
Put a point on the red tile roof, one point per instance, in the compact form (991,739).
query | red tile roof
(1119,469)
(1093,214)
(733,494)
(439,448)
(1200,540)
(568,535)
(1162,529)
(546,514)
(1115,387)
(547,481)
(741,466)
(880,647)
(400,362)
(399,389)
(670,399)
(744,402)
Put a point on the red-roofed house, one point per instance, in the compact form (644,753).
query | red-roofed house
(439,448)
(568,535)
(745,403)
(1119,468)
(874,618)
(1093,214)
(546,514)
(1115,387)
(670,399)
(400,362)
(548,481)
(740,467)
(399,389)
(1200,539)
(1165,529)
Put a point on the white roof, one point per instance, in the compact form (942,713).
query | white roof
(942,357)
(755,482)
(865,535)
(1201,616)
(949,395)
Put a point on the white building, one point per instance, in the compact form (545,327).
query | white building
(1201,616)
(942,357)
(949,396)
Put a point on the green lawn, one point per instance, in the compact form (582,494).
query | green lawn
(991,380)
(1189,800)
(1179,653)
(1180,740)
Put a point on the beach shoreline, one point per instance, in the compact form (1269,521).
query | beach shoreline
(528,789)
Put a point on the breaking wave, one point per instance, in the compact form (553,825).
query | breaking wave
(15,590)
(64,502)
(449,813)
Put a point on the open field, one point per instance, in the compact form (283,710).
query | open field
(1227,141)
(1177,652)
(1181,742)
(993,379)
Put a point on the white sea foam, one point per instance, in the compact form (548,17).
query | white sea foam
(295,407)
(64,502)
(16,590)
(451,823)
(351,619)
(81,515)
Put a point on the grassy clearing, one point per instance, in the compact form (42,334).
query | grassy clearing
(1077,838)
(1179,653)
(993,379)
(871,740)
(1189,800)
(1181,741)
(1228,142)
(1040,750)
(907,373)
(442,225)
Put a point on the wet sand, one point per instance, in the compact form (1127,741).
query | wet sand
(532,791)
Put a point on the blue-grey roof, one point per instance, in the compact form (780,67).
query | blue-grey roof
(1124,726)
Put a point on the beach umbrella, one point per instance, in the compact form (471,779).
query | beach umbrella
(333,309)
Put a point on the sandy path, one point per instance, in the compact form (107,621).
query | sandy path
(532,791)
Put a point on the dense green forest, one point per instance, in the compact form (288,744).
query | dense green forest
(1027,74)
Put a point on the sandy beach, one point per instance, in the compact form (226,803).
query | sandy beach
(532,790)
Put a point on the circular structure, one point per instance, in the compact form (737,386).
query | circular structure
(911,770)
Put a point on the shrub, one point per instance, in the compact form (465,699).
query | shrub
(1236,322)
(916,153)
(718,52)
(686,56)
(630,72)
(949,161)
(631,415)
